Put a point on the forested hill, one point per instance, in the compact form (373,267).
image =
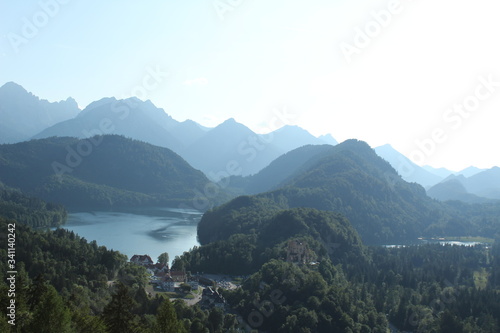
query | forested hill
(29,210)
(103,171)
(352,179)
(255,238)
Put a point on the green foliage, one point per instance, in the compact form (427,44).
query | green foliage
(49,313)
(431,288)
(30,210)
(104,171)
(118,314)
(163,258)
(283,297)
(352,180)
(166,319)
(267,232)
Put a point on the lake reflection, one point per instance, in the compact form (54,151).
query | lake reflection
(151,230)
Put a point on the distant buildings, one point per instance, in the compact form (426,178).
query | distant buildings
(143,260)
(212,298)
(298,252)
(161,275)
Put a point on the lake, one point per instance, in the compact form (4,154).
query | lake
(151,230)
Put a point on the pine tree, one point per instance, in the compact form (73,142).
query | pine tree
(50,314)
(118,314)
(166,319)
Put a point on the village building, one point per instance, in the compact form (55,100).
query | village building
(212,298)
(143,260)
(298,252)
(178,276)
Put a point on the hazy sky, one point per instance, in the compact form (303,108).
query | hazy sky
(421,75)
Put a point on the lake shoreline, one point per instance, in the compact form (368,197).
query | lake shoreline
(144,230)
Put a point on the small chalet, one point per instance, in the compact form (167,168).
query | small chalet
(143,260)
(212,298)
(178,276)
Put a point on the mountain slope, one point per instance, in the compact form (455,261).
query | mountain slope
(278,171)
(351,179)
(470,171)
(441,172)
(453,189)
(328,139)
(102,171)
(30,211)
(485,183)
(22,114)
(481,187)
(131,118)
(231,147)
(188,132)
(288,138)
(407,169)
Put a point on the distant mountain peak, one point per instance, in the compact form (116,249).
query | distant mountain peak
(329,139)
(100,102)
(291,127)
(23,114)
(14,90)
(386,146)
(13,85)
(459,177)
(229,121)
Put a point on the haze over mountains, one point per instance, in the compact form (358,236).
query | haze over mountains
(23,115)
(477,188)
(229,146)
(229,149)
(471,184)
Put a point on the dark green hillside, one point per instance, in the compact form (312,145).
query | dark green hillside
(283,297)
(243,215)
(259,235)
(103,171)
(29,210)
(351,179)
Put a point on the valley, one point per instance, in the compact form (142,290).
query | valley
(321,235)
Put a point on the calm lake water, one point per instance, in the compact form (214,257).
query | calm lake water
(149,231)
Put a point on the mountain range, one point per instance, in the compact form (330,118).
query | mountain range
(228,150)
(480,187)
(349,178)
(23,114)
(230,146)
(470,185)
